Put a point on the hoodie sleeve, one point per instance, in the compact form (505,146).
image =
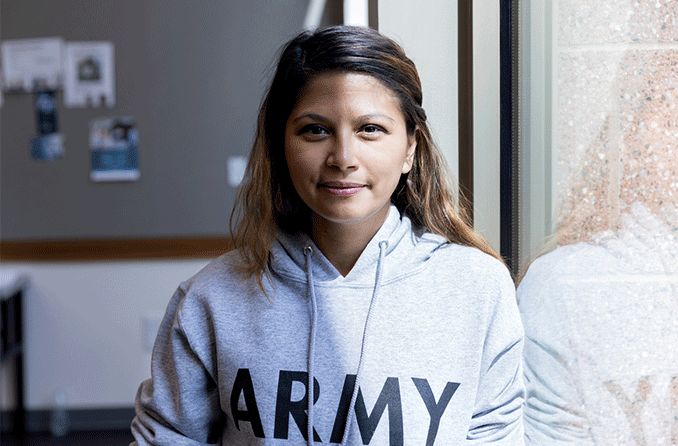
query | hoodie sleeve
(179,404)
(497,416)
(554,412)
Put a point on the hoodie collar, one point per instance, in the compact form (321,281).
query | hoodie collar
(287,253)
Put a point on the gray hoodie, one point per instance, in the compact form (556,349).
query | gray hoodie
(422,339)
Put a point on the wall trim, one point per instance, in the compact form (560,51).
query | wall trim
(107,249)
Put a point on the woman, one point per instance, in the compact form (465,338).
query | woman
(352,271)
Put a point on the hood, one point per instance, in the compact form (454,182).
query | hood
(405,247)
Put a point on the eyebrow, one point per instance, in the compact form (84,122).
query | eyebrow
(317,117)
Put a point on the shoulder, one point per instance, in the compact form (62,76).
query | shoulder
(488,289)
(484,281)
(220,269)
(472,266)
(219,283)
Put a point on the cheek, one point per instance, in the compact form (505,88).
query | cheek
(301,165)
(292,155)
(392,163)
(289,150)
(388,174)
(294,169)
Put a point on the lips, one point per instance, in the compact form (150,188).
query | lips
(341,188)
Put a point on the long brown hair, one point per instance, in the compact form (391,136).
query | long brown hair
(267,201)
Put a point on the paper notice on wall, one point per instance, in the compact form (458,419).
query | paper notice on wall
(32,64)
(89,74)
(114,149)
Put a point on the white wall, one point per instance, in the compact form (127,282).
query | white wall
(428,33)
(536,109)
(486,124)
(84,329)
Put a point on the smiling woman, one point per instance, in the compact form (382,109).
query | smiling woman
(353,275)
(346,147)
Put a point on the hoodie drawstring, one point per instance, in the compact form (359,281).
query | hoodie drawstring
(377,282)
(311,345)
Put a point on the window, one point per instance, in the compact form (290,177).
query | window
(597,150)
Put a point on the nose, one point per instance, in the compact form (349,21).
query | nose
(342,154)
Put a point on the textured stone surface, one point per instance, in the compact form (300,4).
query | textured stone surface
(615,124)
(616,21)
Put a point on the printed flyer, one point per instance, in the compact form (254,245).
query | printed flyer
(89,75)
(114,149)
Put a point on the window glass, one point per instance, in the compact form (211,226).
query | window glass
(598,290)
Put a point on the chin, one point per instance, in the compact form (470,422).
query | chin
(349,215)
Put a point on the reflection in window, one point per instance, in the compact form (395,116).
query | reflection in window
(599,299)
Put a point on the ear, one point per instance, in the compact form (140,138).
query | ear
(411,149)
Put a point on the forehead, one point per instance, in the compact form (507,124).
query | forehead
(339,91)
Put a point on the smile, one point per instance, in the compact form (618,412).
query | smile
(341,189)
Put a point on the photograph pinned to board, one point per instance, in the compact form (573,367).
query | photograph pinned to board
(49,144)
(30,65)
(89,74)
(114,149)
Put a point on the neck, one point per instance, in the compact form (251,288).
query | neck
(343,243)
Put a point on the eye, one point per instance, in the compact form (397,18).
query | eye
(314,130)
(372,129)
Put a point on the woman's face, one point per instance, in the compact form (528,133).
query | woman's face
(346,146)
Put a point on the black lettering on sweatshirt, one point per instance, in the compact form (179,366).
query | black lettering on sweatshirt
(284,406)
(243,385)
(367,424)
(367,421)
(342,410)
(435,410)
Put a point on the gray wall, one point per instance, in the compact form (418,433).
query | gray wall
(191,72)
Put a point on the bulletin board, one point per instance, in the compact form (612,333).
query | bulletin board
(191,74)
